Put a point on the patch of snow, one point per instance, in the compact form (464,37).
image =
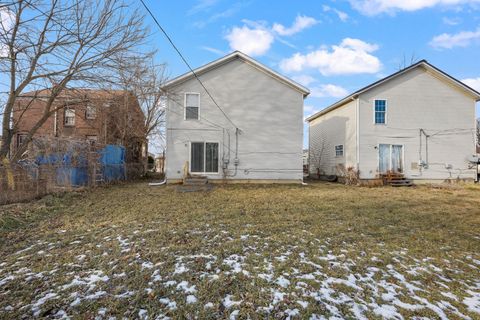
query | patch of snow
(387,312)
(180,268)
(473,302)
(228,302)
(185,288)
(208,305)
(38,304)
(191,299)
(283,282)
(172,305)
(143,314)
(234,314)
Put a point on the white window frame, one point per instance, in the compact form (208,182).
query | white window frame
(90,106)
(65,117)
(185,105)
(343,151)
(91,138)
(386,112)
(204,157)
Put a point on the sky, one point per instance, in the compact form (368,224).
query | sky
(333,47)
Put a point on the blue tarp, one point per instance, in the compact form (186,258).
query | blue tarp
(72,169)
(113,162)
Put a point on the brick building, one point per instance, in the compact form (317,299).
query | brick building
(97,116)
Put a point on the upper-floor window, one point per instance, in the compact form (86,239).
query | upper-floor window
(380,111)
(339,150)
(192,106)
(69,117)
(91,112)
(21,137)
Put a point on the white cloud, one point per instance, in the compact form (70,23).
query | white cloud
(256,38)
(213,50)
(451,21)
(352,56)
(202,5)
(254,41)
(374,7)
(461,39)
(328,90)
(341,15)
(304,79)
(300,23)
(473,83)
(7,20)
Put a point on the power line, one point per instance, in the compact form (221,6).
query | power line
(186,62)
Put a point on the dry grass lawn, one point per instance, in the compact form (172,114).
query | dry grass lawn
(317,251)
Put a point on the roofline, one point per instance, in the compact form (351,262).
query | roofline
(229,57)
(423,63)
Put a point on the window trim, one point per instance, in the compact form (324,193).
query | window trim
(65,124)
(20,134)
(204,157)
(343,151)
(185,106)
(386,112)
(90,105)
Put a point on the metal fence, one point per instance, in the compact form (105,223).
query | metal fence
(65,167)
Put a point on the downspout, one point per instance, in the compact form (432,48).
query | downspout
(55,119)
(357,132)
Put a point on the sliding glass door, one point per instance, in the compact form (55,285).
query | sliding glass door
(204,157)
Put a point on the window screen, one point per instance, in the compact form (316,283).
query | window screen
(192,106)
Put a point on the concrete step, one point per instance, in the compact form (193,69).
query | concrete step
(195,181)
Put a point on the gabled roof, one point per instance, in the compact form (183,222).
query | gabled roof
(231,57)
(422,63)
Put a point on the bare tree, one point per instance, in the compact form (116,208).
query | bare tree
(144,79)
(407,62)
(49,45)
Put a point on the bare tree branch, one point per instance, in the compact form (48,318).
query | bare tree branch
(49,45)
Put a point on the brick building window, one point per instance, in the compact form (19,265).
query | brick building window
(69,117)
(21,137)
(92,140)
(91,112)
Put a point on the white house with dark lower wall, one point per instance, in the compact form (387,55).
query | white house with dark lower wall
(241,122)
(419,121)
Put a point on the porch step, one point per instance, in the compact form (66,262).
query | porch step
(396,179)
(195,181)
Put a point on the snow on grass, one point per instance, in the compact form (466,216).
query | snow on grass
(191,299)
(228,302)
(36,306)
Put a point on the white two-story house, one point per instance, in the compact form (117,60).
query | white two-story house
(238,121)
(419,121)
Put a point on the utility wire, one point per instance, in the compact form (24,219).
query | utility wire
(186,62)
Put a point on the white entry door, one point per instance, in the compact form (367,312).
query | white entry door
(390,157)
